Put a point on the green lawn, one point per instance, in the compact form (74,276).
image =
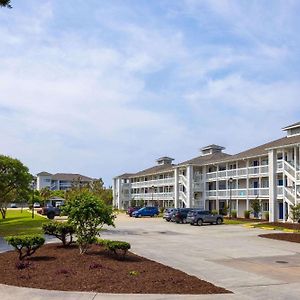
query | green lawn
(18,222)
(233,221)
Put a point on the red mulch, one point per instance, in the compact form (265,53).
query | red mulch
(56,268)
(289,237)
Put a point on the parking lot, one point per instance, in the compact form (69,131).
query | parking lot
(230,256)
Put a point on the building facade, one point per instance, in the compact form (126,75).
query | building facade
(60,181)
(213,180)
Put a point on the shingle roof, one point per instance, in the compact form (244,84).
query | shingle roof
(290,126)
(70,177)
(125,175)
(43,174)
(262,149)
(205,159)
(154,170)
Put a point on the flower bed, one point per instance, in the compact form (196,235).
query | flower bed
(62,268)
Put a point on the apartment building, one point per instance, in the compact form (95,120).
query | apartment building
(269,172)
(60,181)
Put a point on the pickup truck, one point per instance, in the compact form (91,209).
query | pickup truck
(50,211)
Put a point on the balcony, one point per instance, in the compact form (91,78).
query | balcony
(239,193)
(156,182)
(240,172)
(156,196)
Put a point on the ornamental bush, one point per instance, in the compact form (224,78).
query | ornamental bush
(87,213)
(119,248)
(234,214)
(62,231)
(247,214)
(26,245)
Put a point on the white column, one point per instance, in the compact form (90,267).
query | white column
(272,186)
(189,192)
(176,188)
(247,185)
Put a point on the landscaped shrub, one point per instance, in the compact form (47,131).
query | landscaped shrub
(247,214)
(214,212)
(234,214)
(256,207)
(63,231)
(87,213)
(119,248)
(26,245)
(267,215)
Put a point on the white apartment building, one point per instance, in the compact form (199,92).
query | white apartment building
(59,181)
(269,172)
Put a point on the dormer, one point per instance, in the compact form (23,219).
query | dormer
(165,160)
(211,149)
(292,130)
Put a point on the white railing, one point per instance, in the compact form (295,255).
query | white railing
(280,190)
(156,182)
(238,193)
(288,193)
(183,179)
(288,168)
(279,165)
(182,195)
(240,172)
(198,186)
(155,196)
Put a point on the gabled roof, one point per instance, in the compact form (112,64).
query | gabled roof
(70,177)
(291,126)
(263,149)
(155,170)
(43,174)
(205,159)
(125,175)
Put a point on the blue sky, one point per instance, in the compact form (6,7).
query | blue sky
(106,87)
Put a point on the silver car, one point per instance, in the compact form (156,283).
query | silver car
(168,214)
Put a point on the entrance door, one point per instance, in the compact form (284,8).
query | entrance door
(280,212)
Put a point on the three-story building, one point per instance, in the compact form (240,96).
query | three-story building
(214,180)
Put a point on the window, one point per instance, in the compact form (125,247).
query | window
(265,206)
(46,180)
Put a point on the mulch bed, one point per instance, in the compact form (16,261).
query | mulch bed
(289,237)
(246,220)
(294,226)
(56,268)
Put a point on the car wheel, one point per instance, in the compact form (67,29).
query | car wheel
(219,221)
(191,223)
(50,215)
(200,222)
(168,220)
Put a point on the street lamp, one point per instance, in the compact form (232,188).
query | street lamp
(32,210)
(230,181)
(152,194)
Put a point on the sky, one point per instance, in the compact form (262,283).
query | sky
(103,87)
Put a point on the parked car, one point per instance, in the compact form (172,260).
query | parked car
(13,205)
(50,211)
(36,205)
(180,215)
(147,211)
(169,212)
(198,217)
(130,210)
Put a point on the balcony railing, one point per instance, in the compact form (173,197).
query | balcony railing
(156,182)
(240,172)
(156,196)
(239,193)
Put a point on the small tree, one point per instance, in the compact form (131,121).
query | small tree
(45,194)
(15,182)
(25,245)
(5,3)
(87,213)
(295,212)
(256,207)
(62,231)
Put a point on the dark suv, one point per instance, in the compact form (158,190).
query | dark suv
(203,216)
(181,215)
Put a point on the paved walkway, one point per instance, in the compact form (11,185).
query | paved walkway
(230,256)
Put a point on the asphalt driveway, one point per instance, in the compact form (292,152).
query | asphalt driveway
(230,256)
